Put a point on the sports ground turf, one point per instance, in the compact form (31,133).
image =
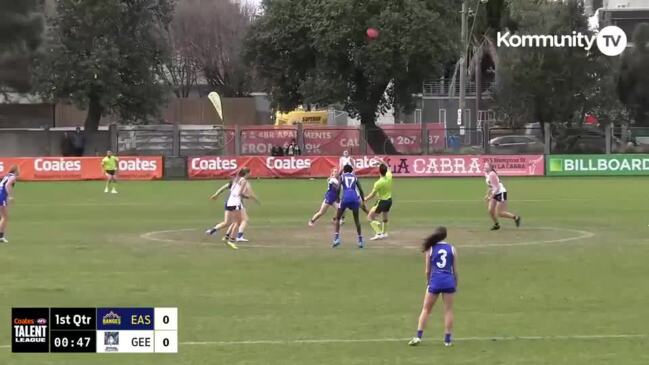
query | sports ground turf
(569,287)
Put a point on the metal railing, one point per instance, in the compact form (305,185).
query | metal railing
(406,139)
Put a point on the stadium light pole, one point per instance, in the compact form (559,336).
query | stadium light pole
(463,56)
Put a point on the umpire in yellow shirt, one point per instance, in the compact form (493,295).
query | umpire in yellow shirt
(383,189)
(110,164)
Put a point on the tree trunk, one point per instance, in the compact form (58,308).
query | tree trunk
(376,137)
(93,117)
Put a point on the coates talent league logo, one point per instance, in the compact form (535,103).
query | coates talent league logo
(30,329)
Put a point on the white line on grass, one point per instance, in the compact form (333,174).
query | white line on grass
(372,340)
(580,235)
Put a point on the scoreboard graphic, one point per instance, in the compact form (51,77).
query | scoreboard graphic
(103,330)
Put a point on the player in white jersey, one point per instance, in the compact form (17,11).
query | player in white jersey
(345,160)
(233,205)
(6,195)
(496,198)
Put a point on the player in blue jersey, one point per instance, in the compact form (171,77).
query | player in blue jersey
(331,198)
(441,276)
(6,194)
(353,199)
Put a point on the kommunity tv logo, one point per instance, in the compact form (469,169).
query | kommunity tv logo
(611,40)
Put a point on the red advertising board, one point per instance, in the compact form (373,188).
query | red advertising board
(331,140)
(82,168)
(404,166)
(260,140)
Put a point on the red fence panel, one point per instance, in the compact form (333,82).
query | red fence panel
(331,140)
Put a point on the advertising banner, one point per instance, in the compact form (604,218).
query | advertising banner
(82,168)
(260,140)
(403,166)
(598,165)
(331,141)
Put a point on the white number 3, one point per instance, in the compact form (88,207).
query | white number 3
(442,257)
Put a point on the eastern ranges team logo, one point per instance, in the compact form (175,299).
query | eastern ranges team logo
(111,319)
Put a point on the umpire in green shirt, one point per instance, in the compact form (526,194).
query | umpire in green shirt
(382,189)
(110,164)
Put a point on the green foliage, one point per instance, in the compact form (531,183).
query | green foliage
(633,82)
(552,85)
(21,28)
(317,52)
(103,55)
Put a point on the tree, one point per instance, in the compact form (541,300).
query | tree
(547,84)
(312,52)
(633,80)
(21,30)
(103,56)
(207,38)
(181,70)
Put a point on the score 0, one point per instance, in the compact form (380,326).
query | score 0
(166,329)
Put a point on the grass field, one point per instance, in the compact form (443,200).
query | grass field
(569,287)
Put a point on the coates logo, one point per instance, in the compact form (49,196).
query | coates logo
(365,162)
(138,164)
(2,166)
(213,164)
(57,165)
(24,321)
(292,163)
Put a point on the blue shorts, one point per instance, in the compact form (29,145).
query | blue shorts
(351,205)
(434,290)
(3,200)
(441,284)
(330,199)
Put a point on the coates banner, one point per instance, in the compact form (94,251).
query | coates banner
(82,168)
(598,165)
(403,166)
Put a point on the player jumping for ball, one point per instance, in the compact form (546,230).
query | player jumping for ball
(331,198)
(382,189)
(352,199)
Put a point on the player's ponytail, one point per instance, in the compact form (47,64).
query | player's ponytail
(438,236)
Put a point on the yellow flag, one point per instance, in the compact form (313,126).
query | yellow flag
(216,101)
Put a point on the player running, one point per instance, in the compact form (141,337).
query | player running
(233,204)
(240,228)
(110,164)
(6,195)
(441,276)
(352,199)
(497,198)
(382,189)
(331,198)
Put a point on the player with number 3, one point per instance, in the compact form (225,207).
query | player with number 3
(441,276)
